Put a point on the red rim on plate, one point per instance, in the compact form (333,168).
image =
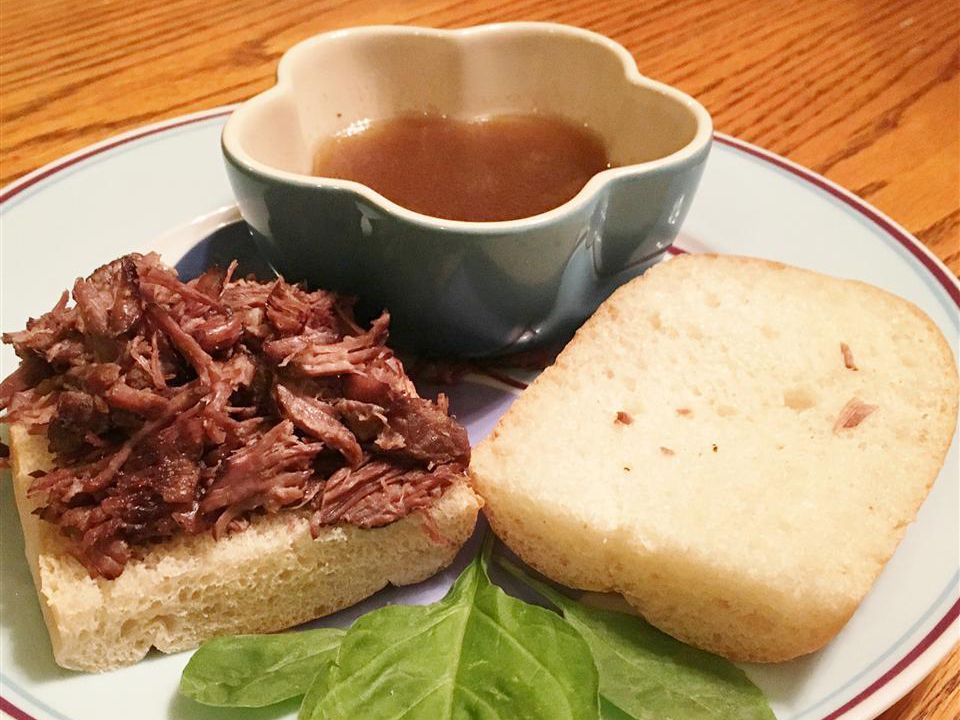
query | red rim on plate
(912,245)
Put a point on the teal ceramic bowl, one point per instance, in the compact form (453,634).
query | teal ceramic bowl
(468,289)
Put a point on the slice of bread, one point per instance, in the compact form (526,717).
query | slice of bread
(271,576)
(704,447)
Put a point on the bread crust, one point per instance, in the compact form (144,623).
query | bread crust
(749,576)
(269,577)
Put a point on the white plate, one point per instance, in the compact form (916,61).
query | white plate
(164,187)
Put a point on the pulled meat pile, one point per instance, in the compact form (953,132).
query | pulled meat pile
(175,407)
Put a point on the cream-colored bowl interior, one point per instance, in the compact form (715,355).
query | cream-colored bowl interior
(334,83)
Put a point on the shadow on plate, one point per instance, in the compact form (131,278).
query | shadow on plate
(182,708)
(20,614)
(220,248)
(782,681)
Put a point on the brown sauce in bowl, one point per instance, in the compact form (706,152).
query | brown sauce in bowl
(503,167)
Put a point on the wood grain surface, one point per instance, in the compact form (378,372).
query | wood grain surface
(864,92)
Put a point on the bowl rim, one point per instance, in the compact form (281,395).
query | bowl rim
(694,149)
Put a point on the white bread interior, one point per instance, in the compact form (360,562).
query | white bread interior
(271,576)
(727,510)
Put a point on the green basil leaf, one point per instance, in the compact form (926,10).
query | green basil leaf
(478,653)
(258,670)
(608,711)
(317,692)
(647,675)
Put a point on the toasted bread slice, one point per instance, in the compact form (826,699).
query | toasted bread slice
(734,445)
(271,576)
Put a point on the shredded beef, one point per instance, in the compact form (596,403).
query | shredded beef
(379,493)
(852,414)
(319,420)
(177,407)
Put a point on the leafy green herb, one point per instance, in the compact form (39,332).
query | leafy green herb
(258,670)
(478,653)
(647,675)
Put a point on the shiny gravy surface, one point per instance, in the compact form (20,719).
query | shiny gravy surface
(501,167)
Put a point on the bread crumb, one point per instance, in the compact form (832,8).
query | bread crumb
(848,362)
(853,413)
(623,418)
(714,447)
(684,411)
(666,451)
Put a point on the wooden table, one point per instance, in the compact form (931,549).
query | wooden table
(863,92)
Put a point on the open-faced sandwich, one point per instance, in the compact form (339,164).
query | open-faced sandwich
(219,456)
